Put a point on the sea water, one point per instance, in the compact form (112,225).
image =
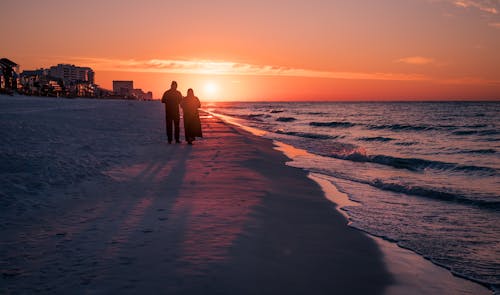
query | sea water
(426,175)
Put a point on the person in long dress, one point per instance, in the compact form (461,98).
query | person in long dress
(192,123)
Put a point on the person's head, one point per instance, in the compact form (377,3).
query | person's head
(190,92)
(173,85)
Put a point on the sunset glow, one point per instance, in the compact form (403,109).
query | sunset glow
(278,50)
(210,90)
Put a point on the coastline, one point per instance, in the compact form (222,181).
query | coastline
(412,273)
(224,216)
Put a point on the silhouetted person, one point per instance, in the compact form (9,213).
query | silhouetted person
(172,98)
(192,124)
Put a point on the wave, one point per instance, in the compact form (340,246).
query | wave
(416,164)
(276,111)
(251,117)
(489,132)
(286,119)
(464,132)
(376,138)
(477,132)
(254,115)
(312,113)
(421,191)
(490,139)
(332,124)
(475,126)
(453,127)
(402,127)
(433,194)
(472,129)
(406,143)
(316,113)
(412,164)
(481,151)
(356,153)
(307,135)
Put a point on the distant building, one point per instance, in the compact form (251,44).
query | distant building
(62,80)
(35,73)
(123,88)
(103,93)
(141,95)
(72,74)
(8,75)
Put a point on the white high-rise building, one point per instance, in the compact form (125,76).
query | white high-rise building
(72,73)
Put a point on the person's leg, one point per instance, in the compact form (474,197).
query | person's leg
(176,129)
(169,138)
(186,133)
(169,130)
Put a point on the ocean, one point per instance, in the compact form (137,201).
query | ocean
(425,175)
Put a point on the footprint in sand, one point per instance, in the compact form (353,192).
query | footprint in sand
(9,273)
(126,260)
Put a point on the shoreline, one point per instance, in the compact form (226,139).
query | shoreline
(431,277)
(410,270)
(225,216)
(427,276)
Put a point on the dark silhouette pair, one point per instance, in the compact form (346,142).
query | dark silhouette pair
(172,99)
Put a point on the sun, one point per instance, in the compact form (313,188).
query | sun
(210,89)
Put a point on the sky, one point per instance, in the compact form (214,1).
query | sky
(268,49)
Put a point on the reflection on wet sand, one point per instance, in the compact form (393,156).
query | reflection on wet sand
(217,211)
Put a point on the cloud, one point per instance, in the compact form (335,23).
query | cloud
(483,5)
(470,81)
(495,25)
(208,67)
(489,9)
(416,60)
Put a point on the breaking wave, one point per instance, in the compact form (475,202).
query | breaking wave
(332,124)
(286,119)
(376,138)
(307,135)
(402,127)
(434,193)
(476,132)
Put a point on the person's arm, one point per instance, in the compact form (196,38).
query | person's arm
(182,103)
(179,98)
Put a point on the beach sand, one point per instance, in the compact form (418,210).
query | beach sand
(224,216)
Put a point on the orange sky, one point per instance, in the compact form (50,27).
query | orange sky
(268,50)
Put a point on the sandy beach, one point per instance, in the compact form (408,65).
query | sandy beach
(224,216)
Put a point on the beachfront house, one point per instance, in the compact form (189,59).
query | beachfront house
(8,76)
